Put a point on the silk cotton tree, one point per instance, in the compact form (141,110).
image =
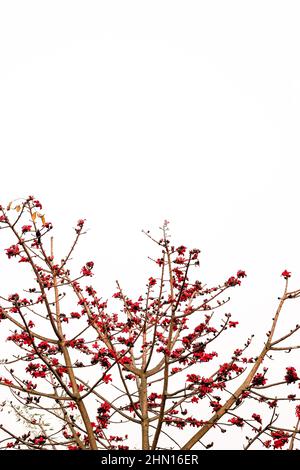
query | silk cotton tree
(85,373)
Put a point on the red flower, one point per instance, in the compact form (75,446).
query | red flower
(280,438)
(298,411)
(26,228)
(257,418)
(272,404)
(241,273)
(61,370)
(160,261)
(267,443)
(232,324)
(181,250)
(13,250)
(179,260)
(153,396)
(30,385)
(72,405)
(36,370)
(259,379)
(215,405)
(44,345)
(37,204)
(13,297)
(232,281)
(75,315)
(107,378)
(130,377)
(175,370)
(80,225)
(193,378)
(237,421)
(291,375)
(23,259)
(152,281)
(286,274)
(86,272)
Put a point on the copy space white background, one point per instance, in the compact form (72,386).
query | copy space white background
(127,113)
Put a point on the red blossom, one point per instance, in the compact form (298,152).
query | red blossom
(23,259)
(75,315)
(107,378)
(152,281)
(130,377)
(193,378)
(280,438)
(13,297)
(237,421)
(37,204)
(72,405)
(160,261)
(216,405)
(180,260)
(241,274)
(267,443)
(13,250)
(85,271)
(37,370)
(181,250)
(272,404)
(291,375)
(257,418)
(26,228)
(175,370)
(30,385)
(258,380)
(232,281)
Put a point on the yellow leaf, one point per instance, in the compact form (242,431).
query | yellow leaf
(43,219)
(33,216)
(18,208)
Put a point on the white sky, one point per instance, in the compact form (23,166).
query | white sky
(127,113)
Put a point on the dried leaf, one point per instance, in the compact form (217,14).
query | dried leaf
(18,208)
(33,216)
(9,206)
(43,219)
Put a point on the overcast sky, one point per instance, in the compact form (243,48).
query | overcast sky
(127,113)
